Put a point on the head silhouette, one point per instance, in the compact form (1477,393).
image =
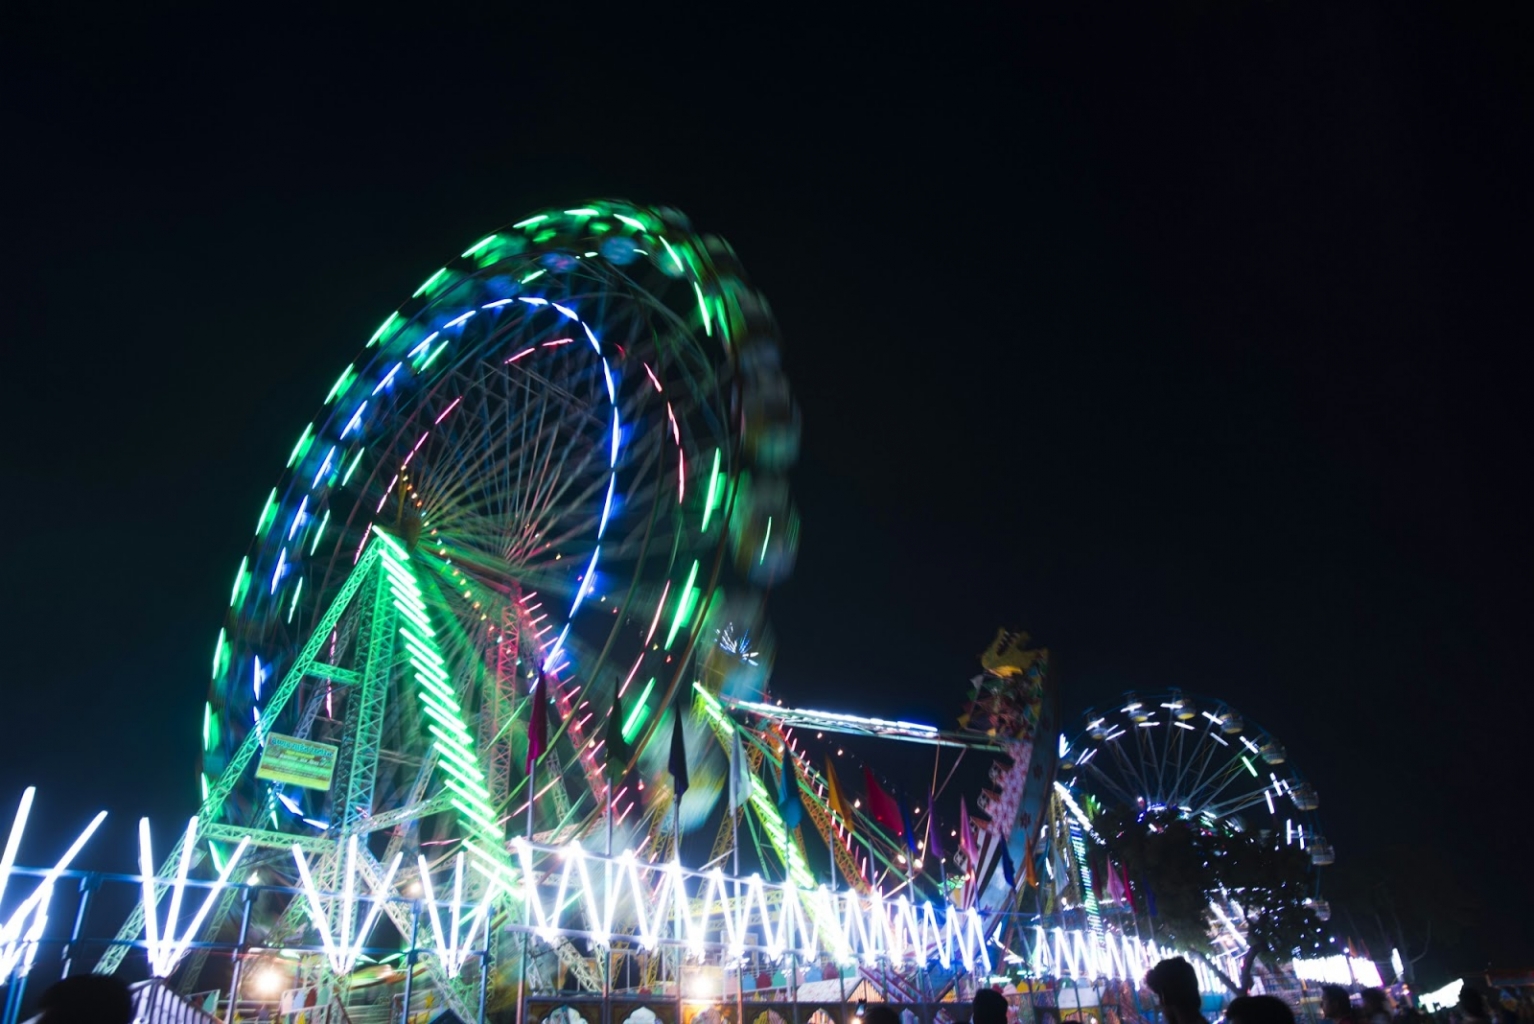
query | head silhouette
(990,1007)
(1335,1003)
(1259,1010)
(1174,981)
(88,999)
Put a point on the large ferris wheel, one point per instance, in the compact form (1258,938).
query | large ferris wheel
(562,461)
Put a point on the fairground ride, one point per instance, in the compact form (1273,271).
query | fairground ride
(553,485)
(1166,752)
(563,459)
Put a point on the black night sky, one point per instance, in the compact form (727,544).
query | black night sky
(1193,344)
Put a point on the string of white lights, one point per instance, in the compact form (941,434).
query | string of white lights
(342,938)
(166,947)
(20,933)
(454,946)
(667,904)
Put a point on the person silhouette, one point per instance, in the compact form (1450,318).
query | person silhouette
(990,1007)
(1176,986)
(87,999)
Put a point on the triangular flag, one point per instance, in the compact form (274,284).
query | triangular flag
(538,721)
(834,794)
(967,838)
(740,773)
(934,831)
(790,803)
(1115,884)
(1008,869)
(619,753)
(881,806)
(678,762)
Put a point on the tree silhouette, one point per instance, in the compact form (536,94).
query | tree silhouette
(1180,866)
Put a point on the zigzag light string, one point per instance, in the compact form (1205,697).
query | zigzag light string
(454,946)
(344,948)
(20,933)
(1079,954)
(663,907)
(166,947)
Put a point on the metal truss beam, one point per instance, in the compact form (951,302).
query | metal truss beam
(368,707)
(336,674)
(263,837)
(212,809)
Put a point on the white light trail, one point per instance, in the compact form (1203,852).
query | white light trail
(20,933)
(166,947)
(343,948)
(454,947)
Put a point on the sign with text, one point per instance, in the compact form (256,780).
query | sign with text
(297,762)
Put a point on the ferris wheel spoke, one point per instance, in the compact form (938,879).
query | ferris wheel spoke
(1190,776)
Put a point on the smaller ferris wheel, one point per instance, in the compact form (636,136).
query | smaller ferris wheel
(1194,755)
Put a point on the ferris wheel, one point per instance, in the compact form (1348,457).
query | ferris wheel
(1173,751)
(562,459)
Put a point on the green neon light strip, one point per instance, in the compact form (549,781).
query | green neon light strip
(428,283)
(342,383)
(684,603)
(433,357)
(324,522)
(477,246)
(639,714)
(713,490)
(674,258)
(450,735)
(302,447)
(389,322)
(241,582)
(708,321)
(529,222)
(267,511)
(1249,766)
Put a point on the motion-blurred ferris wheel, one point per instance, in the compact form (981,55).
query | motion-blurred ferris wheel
(1195,756)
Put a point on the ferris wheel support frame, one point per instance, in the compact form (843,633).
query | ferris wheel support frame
(382,621)
(213,804)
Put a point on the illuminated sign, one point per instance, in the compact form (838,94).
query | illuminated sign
(295,762)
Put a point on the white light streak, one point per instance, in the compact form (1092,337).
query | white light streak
(20,933)
(343,947)
(166,947)
(454,946)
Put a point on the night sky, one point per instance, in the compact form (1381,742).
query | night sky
(1192,344)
